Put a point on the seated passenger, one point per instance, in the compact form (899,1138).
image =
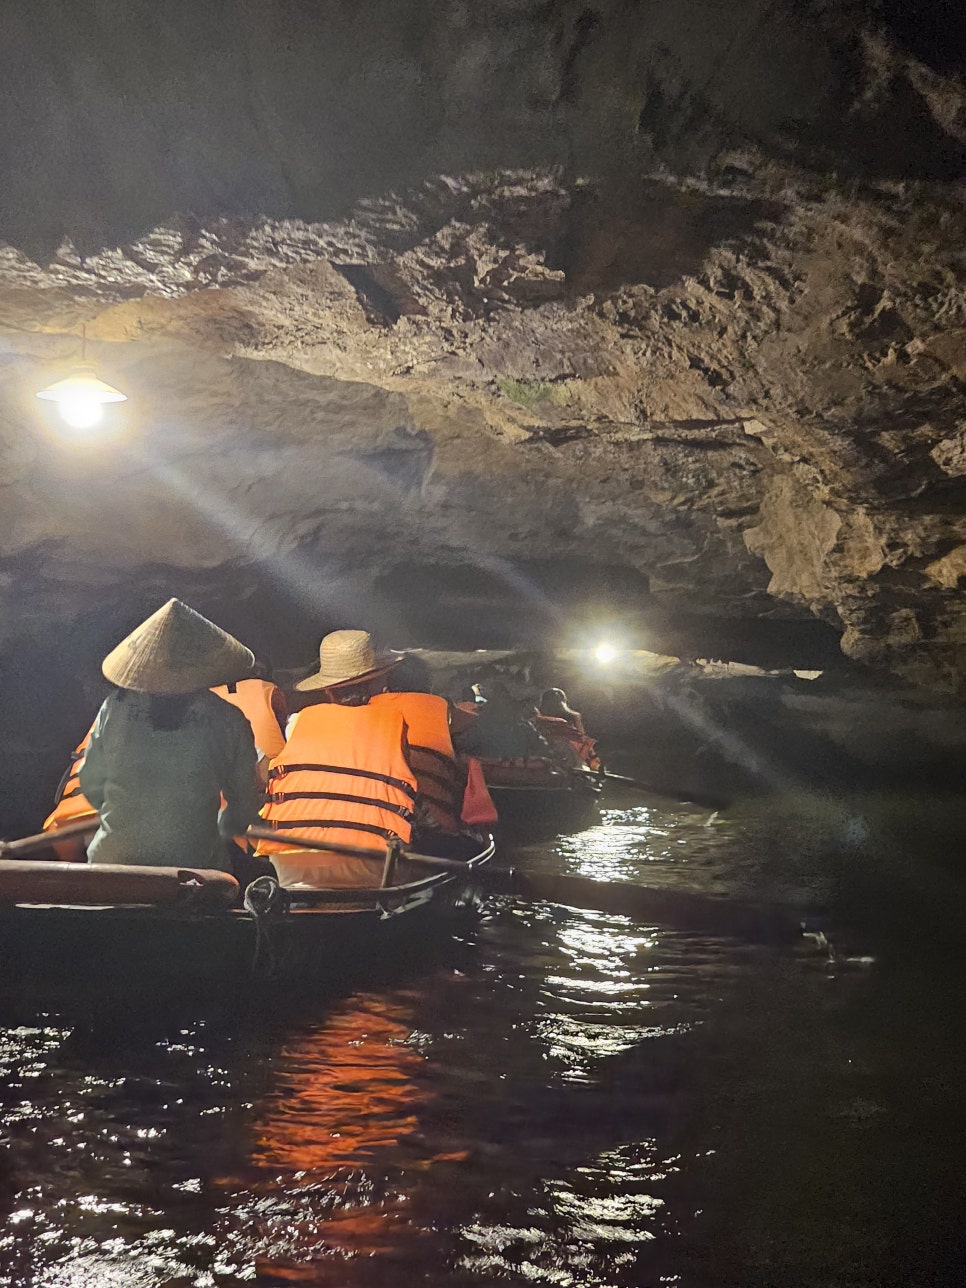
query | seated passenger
(503,729)
(471,699)
(71,806)
(343,777)
(440,775)
(260,702)
(564,729)
(164,751)
(553,702)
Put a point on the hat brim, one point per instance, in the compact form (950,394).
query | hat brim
(321,681)
(163,681)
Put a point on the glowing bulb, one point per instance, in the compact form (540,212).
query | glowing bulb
(80,398)
(80,412)
(605,654)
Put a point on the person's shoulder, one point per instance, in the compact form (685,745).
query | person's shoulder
(115,707)
(219,712)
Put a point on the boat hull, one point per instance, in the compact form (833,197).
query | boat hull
(156,949)
(535,797)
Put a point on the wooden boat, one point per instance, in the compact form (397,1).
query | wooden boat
(536,791)
(110,925)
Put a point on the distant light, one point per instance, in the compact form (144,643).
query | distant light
(81,396)
(605,654)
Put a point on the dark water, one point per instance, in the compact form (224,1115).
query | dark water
(558,1097)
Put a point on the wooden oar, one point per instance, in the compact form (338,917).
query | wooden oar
(44,840)
(677,909)
(704,799)
(260,833)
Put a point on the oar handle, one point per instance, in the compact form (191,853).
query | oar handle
(43,840)
(297,842)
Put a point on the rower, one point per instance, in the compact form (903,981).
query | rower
(343,776)
(564,729)
(260,701)
(503,729)
(164,751)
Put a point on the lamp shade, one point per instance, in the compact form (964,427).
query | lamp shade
(82,385)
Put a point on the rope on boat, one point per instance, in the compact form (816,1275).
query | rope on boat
(265,900)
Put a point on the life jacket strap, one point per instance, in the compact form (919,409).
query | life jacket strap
(278,770)
(447,784)
(276,798)
(439,756)
(279,825)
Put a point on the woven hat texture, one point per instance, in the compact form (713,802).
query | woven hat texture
(176,650)
(346,656)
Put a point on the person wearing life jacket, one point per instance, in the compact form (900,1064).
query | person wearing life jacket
(440,775)
(471,699)
(453,795)
(504,729)
(560,724)
(261,702)
(71,806)
(164,752)
(343,776)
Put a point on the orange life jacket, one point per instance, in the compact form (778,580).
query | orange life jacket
(553,727)
(478,807)
(342,777)
(440,776)
(70,805)
(256,700)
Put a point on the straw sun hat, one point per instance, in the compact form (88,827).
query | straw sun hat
(176,650)
(347,656)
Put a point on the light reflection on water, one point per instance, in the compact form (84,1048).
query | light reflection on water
(568,1098)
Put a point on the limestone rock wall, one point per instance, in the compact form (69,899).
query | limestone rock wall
(675,289)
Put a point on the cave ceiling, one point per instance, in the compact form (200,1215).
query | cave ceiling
(674,292)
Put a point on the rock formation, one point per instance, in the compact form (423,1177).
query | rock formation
(662,303)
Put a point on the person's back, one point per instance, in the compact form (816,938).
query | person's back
(158,789)
(164,750)
(503,731)
(342,778)
(440,778)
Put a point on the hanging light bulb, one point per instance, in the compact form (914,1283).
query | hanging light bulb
(81,396)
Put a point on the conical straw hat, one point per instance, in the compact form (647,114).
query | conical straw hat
(176,650)
(346,656)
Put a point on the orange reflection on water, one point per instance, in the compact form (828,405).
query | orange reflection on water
(345,1089)
(337,1136)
